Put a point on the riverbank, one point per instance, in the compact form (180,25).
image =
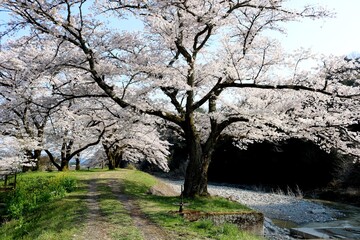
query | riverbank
(274,206)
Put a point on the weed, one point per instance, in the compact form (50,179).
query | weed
(31,192)
(289,192)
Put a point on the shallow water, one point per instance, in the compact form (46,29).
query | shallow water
(284,223)
(351,216)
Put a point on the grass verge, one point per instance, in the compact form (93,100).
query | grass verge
(49,218)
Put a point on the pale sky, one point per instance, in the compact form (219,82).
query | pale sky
(338,36)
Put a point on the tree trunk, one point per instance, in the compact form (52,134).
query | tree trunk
(66,149)
(111,162)
(77,160)
(119,163)
(64,164)
(30,156)
(197,171)
(37,155)
(196,178)
(110,156)
(34,157)
(199,160)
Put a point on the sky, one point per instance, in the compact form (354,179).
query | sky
(338,36)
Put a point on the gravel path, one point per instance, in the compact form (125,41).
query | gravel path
(273,206)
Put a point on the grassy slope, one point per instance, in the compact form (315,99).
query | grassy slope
(54,220)
(63,219)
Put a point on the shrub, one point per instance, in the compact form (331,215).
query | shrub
(31,192)
(130,166)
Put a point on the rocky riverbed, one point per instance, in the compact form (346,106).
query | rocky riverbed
(274,206)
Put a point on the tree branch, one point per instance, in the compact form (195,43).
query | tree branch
(286,86)
(52,159)
(86,146)
(221,126)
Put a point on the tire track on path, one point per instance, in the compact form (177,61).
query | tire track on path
(96,227)
(149,230)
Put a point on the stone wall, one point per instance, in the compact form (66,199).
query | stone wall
(248,221)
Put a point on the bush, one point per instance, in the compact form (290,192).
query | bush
(31,192)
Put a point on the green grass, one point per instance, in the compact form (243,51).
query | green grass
(158,209)
(63,218)
(57,218)
(117,215)
(34,190)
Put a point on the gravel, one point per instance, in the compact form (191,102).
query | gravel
(273,206)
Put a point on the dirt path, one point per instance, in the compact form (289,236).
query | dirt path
(149,230)
(96,225)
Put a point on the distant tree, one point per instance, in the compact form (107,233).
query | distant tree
(134,140)
(33,106)
(211,55)
(72,131)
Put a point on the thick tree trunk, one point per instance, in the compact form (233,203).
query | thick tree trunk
(64,165)
(196,178)
(30,156)
(111,163)
(34,158)
(119,163)
(115,158)
(110,156)
(197,170)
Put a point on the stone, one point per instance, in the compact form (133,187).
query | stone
(317,211)
(248,221)
(162,189)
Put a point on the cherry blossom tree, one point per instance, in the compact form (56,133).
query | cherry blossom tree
(24,78)
(134,138)
(72,131)
(12,159)
(32,103)
(206,67)
(44,106)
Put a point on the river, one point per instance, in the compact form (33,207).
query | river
(349,220)
(351,216)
